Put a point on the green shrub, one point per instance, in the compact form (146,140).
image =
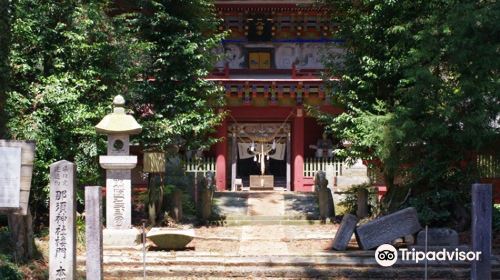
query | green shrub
(8,270)
(437,207)
(496,217)
(350,203)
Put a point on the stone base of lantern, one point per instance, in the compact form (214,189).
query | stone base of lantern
(121,237)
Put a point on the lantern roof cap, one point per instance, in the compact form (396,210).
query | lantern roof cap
(118,122)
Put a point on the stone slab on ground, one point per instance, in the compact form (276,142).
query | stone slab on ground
(121,237)
(259,248)
(345,231)
(231,203)
(438,237)
(385,229)
(270,234)
(264,204)
(301,204)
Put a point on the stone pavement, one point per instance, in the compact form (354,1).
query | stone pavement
(260,240)
(252,249)
(266,205)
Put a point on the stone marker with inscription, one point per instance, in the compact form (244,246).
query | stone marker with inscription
(118,164)
(62,244)
(344,233)
(93,232)
(387,228)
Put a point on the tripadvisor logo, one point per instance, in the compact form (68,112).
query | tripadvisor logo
(387,255)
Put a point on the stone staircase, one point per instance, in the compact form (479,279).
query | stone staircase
(128,264)
(266,208)
(273,235)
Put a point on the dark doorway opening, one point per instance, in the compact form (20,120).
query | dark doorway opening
(247,167)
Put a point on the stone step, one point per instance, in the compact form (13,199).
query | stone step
(352,265)
(271,205)
(249,222)
(310,272)
(353,258)
(268,218)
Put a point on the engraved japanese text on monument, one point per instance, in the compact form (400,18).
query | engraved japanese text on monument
(62,219)
(118,202)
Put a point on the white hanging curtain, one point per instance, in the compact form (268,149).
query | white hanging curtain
(279,154)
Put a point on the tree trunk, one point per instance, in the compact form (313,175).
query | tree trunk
(21,233)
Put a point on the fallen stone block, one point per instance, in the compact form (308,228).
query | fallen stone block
(409,239)
(438,237)
(344,233)
(387,228)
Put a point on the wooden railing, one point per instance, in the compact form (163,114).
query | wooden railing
(488,166)
(313,165)
(202,165)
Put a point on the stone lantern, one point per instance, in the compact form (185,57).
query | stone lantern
(118,126)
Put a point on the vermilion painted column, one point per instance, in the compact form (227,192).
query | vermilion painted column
(221,155)
(298,150)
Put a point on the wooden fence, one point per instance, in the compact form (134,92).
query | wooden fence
(488,166)
(202,165)
(313,165)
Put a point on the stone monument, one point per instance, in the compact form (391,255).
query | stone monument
(62,244)
(118,126)
(324,196)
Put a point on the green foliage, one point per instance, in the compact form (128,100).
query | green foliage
(5,17)
(419,84)
(496,217)
(8,270)
(188,206)
(350,202)
(68,59)
(65,61)
(177,108)
(80,229)
(434,208)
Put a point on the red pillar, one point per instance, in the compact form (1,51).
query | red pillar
(298,151)
(221,154)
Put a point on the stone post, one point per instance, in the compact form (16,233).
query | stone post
(93,232)
(62,244)
(481,230)
(288,163)
(362,203)
(234,160)
(118,126)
